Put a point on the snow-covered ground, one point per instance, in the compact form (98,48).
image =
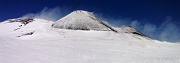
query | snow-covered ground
(53,45)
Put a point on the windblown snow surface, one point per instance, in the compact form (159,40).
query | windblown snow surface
(38,42)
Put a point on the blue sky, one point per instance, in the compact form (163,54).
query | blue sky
(148,16)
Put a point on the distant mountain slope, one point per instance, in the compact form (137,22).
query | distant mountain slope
(129,29)
(77,20)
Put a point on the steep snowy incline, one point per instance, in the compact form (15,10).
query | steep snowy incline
(81,20)
(15,28)
(11,25)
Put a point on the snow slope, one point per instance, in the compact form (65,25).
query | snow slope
(128,29)
(80,20)
(53,45)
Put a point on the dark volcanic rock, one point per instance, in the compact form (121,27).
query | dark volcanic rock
(24,21)
(30,33)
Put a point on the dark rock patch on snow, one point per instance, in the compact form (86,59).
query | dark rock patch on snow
(30,33)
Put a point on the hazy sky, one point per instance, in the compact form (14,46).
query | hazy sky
(152,17)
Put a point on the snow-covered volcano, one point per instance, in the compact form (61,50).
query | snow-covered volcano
(33,40)
(81,20)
